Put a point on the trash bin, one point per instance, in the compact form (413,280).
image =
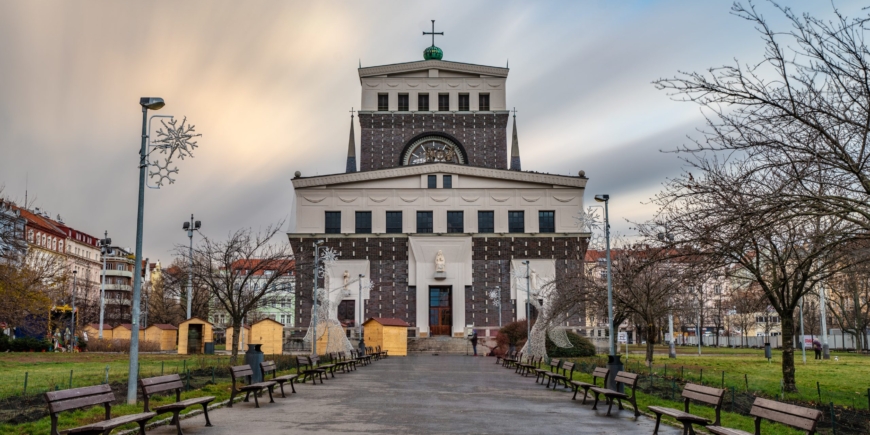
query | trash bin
(209,348)
(253,357)
(767,352)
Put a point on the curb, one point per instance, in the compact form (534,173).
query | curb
(168,420)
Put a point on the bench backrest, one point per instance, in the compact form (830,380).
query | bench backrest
(600,372)
(568,369)
(554,364)
(708,395)
(160,384)
(269,366)
(240,372)
(791,415)
(628,379)
(78,398)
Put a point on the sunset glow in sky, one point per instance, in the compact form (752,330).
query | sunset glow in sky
(269,84)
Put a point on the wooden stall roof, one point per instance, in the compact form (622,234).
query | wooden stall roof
(128,326)
(164,326)
(267,319)
(386,321)
(96,326)
(195,318)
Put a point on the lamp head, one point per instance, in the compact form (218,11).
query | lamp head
(362,275)
(197,225)
(319,242)
(152,103)
(526,262)
(602,198)
(75,272)
(185,226)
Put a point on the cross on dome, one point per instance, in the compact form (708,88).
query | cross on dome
(433,52)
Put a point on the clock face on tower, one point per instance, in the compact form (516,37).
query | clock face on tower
(433,149)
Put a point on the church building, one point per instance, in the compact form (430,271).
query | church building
(432,210)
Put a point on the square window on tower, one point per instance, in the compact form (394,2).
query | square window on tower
(383,102)
(464,103)
(485,222)
(403,103)
(432,181)
(333,222)
(364,222)
(394,222)
(546,221)
(423,102)
(444,102)
(424,221)
(455,222)
(484,102)
(516,222)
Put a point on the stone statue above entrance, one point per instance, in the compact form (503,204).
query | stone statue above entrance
(440,265)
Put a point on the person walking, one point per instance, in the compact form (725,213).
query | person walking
(817,348)
(474,342)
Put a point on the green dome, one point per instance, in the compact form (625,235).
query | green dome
(433,53)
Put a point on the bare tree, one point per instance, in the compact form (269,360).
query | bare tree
(241,271)
(849,302)
(175,283)
(747,300)
(163,304)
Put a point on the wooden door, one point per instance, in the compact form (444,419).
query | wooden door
(440,315)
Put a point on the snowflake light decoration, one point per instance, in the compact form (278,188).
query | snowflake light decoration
(590,220)
(173,140)
(494,295)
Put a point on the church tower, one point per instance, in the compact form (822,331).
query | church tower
(436,222)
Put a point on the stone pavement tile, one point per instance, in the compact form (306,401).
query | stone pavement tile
(423,394)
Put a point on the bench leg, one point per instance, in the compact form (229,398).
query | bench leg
(575,394)
(205,413)
(594,405)
(610,405)
(658,421)
(232,396)
(292,387)
(256,402)
(619,400)
(142,428)
(637,411)
(177,421)
(585,394)
(271,400)
(248,396)
(281,384)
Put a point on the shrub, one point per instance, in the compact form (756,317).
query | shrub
(23,344)
(120,346)
(581,347)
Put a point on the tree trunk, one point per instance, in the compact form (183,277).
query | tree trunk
(650,338)
(237,333)
(788,370)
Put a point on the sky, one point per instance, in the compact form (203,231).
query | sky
(269,85)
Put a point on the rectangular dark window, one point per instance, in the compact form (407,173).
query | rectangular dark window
(447,181)
(364,222)
(403,103)
(546,221)
(485,222)
(424,221)
(444,102)
(423,102)
(455,222)
(484,102)
(383,102)
(333,222)
(516,222)
(464,105)
(433,181)
(394,222)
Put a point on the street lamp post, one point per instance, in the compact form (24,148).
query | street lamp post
(362,342)
(498,287)
(672,349)
(72,326)
(826,350)
(190,227)
(803,343)
(528,310)
(314,296)
(105,251)
(133,374)
(613,362)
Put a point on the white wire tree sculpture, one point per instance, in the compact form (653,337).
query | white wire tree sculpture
(536,344)
(173,140)
(328,299)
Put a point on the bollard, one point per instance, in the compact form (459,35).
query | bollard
(161,367)
(25,383)
(70,378)
(746,380)
(833,420)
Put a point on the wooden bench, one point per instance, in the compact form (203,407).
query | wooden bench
(509,362)
(307,367)
(598,373)
(270,366)
(358,359)
(162,384)
(542,373)
(790,415)
(86,397)
(531,364)
(501,359)
(566,375)
(628,380)
(700,393)
(339,362)
(239,372)
(381,353)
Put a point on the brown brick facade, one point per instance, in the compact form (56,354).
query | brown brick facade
(392,297)
(384,136)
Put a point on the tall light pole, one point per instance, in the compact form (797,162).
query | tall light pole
(105,251)
(152,103)
(803,343)
(190,227)
(528,310)
(72,326)
(613,362)
(498,287)
(826,350)
(362,342)
(672,349)
(314,296)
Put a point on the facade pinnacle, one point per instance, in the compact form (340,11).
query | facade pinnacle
(515,148)
(351,148)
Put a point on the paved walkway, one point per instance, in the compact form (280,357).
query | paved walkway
(448,394)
